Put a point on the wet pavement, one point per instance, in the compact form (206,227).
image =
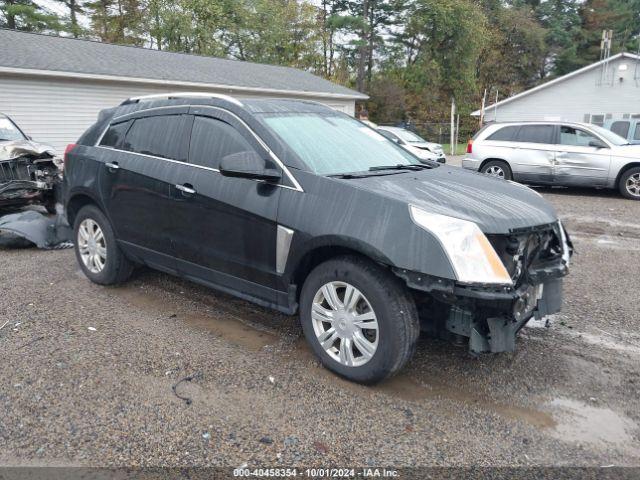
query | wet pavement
(89,373)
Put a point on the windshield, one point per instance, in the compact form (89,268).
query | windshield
(8,131)
(336,144)
(408,136)
(608,135)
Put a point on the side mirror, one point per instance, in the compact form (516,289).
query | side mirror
(248,165)
(597,144)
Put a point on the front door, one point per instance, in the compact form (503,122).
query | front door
(224,228)
(136,179)
(578,162)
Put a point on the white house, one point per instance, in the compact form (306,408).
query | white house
(54,87)
(604,90)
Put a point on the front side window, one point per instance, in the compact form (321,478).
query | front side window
(505,134)
(212,139)
(333,144)
(535,134)
(114,136)
(620,128)
(163,136)
(8,131)
(575,137)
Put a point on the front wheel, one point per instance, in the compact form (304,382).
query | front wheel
(630,184)
(359,319)
(497,168)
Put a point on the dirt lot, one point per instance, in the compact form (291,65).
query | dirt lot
(87,373)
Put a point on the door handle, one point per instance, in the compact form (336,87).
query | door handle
(186,189)
(112,166)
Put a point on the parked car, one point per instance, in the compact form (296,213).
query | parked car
(298,207)
(413,143)
(556,153)
(28,172)
(629,129)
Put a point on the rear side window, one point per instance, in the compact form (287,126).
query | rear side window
(535,134)
(505,134)
(163,136)
(621,128)
(114,135)
(636,135)
(212,139)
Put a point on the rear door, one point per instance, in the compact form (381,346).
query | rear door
(577,162)
(147,152)
(532,160)
(225,228)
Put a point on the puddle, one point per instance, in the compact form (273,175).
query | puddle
(594,425)
(221,324)
(406,388)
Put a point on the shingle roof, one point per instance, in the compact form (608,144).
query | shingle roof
(61,54)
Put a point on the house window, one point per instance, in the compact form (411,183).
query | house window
(597,120)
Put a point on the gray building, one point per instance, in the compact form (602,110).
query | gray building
(604,90)
(54,87)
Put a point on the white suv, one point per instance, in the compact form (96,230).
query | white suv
(556,153)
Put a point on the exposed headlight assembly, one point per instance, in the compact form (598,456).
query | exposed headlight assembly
(473,258)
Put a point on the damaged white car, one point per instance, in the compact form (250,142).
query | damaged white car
(29,172)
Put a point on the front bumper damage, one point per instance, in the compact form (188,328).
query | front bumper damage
(29,173)
(489,317)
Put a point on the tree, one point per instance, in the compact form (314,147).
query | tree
(27,15)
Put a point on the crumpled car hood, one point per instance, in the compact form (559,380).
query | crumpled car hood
(496,205)
(19,148)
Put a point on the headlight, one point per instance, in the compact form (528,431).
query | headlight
(473,258)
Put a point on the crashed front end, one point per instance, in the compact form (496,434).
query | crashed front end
(488,316)
(29,173)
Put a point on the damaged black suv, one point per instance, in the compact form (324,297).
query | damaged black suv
(297,207)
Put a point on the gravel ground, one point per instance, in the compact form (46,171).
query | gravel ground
(89,373)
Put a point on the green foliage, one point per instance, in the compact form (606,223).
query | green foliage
(411,56)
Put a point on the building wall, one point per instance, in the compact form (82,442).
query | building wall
(57,111)
(584,97)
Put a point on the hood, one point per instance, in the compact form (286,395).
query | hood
(496,205)
(20,148)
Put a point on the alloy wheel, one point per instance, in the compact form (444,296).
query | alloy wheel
(92,246)
(495,171)
(633,185)
(345,323)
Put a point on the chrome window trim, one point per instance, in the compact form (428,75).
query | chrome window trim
(283,244)
(296,186)
(202,167)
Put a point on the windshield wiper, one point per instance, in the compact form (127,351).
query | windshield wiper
(410,166)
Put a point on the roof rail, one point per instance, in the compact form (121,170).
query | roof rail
(169,96)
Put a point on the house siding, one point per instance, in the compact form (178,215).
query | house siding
(58,110)
(573,98)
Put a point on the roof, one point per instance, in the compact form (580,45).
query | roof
(557,80)
(62,56)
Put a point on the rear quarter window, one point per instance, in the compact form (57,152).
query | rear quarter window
(505,134)
(114,136)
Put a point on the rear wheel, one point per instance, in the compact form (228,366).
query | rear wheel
(359,319)
(630,184)
(96,248)
(497,168)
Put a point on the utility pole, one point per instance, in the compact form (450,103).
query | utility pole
(453,126)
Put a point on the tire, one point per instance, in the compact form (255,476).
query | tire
(115,267)
(501,169)
(380,292)
(629,184)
